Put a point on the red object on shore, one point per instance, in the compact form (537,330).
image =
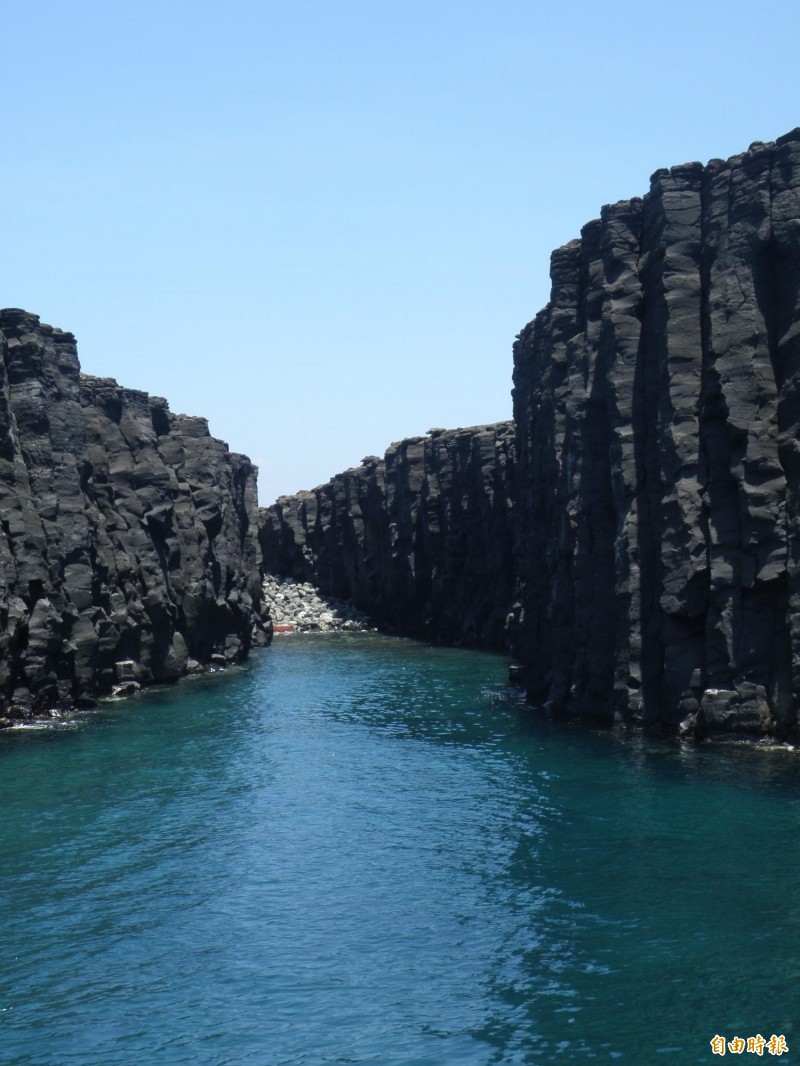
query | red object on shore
(283,627)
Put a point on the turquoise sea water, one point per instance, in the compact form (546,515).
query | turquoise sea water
(363,850)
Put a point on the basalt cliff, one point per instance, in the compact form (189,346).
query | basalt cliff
(636,535)
(128,535)
(657,405)
(420,540)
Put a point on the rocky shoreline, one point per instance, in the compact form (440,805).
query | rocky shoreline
(300,607)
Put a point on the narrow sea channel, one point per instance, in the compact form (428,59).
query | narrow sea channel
(358,849)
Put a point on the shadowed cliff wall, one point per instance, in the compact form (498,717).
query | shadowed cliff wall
(421,540)
(126,532)
(657,404)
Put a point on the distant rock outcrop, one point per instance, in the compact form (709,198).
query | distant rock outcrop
(420,540)
(657,404)
(128,535)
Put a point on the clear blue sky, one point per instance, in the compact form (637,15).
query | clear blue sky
(321,224)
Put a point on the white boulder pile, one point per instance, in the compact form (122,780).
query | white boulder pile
(302,607)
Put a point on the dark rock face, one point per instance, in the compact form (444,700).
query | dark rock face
(657,403)
(420,540)
(127,533)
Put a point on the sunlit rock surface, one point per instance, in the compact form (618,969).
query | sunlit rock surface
(657,404)
(127,534)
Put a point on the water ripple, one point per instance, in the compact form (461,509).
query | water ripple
(363,850)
